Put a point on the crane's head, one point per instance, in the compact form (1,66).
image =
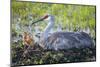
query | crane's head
(47,17)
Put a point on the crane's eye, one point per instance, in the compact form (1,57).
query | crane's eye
(45,17)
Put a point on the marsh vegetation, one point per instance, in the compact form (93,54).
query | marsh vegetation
(73,18)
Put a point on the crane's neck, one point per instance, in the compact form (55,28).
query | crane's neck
(48,28)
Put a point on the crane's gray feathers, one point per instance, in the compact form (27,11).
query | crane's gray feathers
(63,40)
(66,40)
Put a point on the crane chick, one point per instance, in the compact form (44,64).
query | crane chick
(28,41)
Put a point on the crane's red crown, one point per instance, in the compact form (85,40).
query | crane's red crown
(45,17)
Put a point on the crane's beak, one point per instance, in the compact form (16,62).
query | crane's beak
(41,19)
(37,21)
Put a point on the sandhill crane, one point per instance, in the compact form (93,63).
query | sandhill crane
(62,40)
(28,41)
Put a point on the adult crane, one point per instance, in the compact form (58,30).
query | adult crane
(62,40)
